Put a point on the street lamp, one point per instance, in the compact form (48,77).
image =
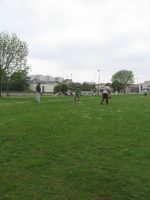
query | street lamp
(137,78)
(138,85)
(0,77)
(71,77)
(98,81)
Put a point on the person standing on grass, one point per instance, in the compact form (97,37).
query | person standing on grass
(145,92)
(77,93)
(109,90)
(38,92)
(94,92)
(105,94)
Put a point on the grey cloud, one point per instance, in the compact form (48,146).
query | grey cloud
(17,18)
(85,56)
(80,51)
(93,2)
(118,51)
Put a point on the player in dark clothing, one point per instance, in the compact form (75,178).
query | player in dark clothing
(38,92)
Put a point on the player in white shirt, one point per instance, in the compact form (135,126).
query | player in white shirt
(105,94)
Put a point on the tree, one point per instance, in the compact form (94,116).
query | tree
(19,81)
(62,87)
(124,77)
(117,86)
(87,86)
(13,55)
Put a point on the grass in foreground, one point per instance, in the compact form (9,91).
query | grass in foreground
(62,150)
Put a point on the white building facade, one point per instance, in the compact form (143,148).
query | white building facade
(47,82)
(145,85)
(45,87)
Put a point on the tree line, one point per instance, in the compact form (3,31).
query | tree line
(63,87)
(14,69)
(120,81)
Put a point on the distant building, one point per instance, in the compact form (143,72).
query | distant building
(67,81)
(145,85)
(58,79)
(133,88)
(44,78)
(47,82)
(45,87)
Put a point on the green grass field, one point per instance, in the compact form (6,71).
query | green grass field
(62,150)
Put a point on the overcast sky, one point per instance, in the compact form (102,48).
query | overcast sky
(79,37)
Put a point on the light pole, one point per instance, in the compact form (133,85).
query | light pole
(98,82)
(138,85)
(71,77)
(0,77)
(137,80)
